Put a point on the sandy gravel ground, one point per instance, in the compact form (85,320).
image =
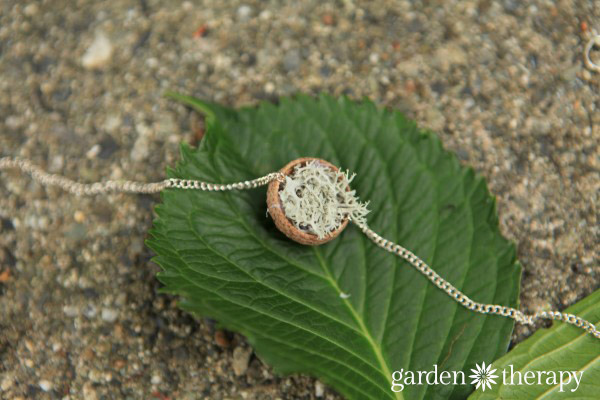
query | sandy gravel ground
(502,82)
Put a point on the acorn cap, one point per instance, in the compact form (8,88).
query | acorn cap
(282,222)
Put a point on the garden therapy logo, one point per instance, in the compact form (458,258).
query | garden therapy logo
(484,377)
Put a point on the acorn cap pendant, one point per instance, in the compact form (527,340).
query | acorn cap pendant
(276,209)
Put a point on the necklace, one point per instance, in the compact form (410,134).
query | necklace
(311,202)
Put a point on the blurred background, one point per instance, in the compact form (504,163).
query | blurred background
(81,82)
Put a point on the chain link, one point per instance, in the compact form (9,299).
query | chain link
(80,189)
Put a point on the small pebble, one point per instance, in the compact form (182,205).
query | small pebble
(45,385)
(79,216)
(31,9)
(221,339)
(4,276)
(6,384)
(587,75)
(291,60)
(75,231)
(269,87)
(328,19)
(152,62)
(95,376)
(187,6)
(265,15)
(244,12)
(141,149)
(93,151)
(70,311)
(89,393)
(90,311)
(99,53)
(109,314)
(241,358)
(13,122)
(319,389)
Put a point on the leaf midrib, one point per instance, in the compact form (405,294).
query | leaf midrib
(376,348)
(363,329)
(365,332)
(388,177)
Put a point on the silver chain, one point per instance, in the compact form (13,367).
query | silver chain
(80,189)
(465,301)
(87,189)
(217,187)
(593,42)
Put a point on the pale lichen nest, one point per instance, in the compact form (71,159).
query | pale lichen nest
(316,199)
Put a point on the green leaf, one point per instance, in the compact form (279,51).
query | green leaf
(227,260)
(559,348)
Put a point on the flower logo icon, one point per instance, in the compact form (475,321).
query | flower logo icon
(483,376)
